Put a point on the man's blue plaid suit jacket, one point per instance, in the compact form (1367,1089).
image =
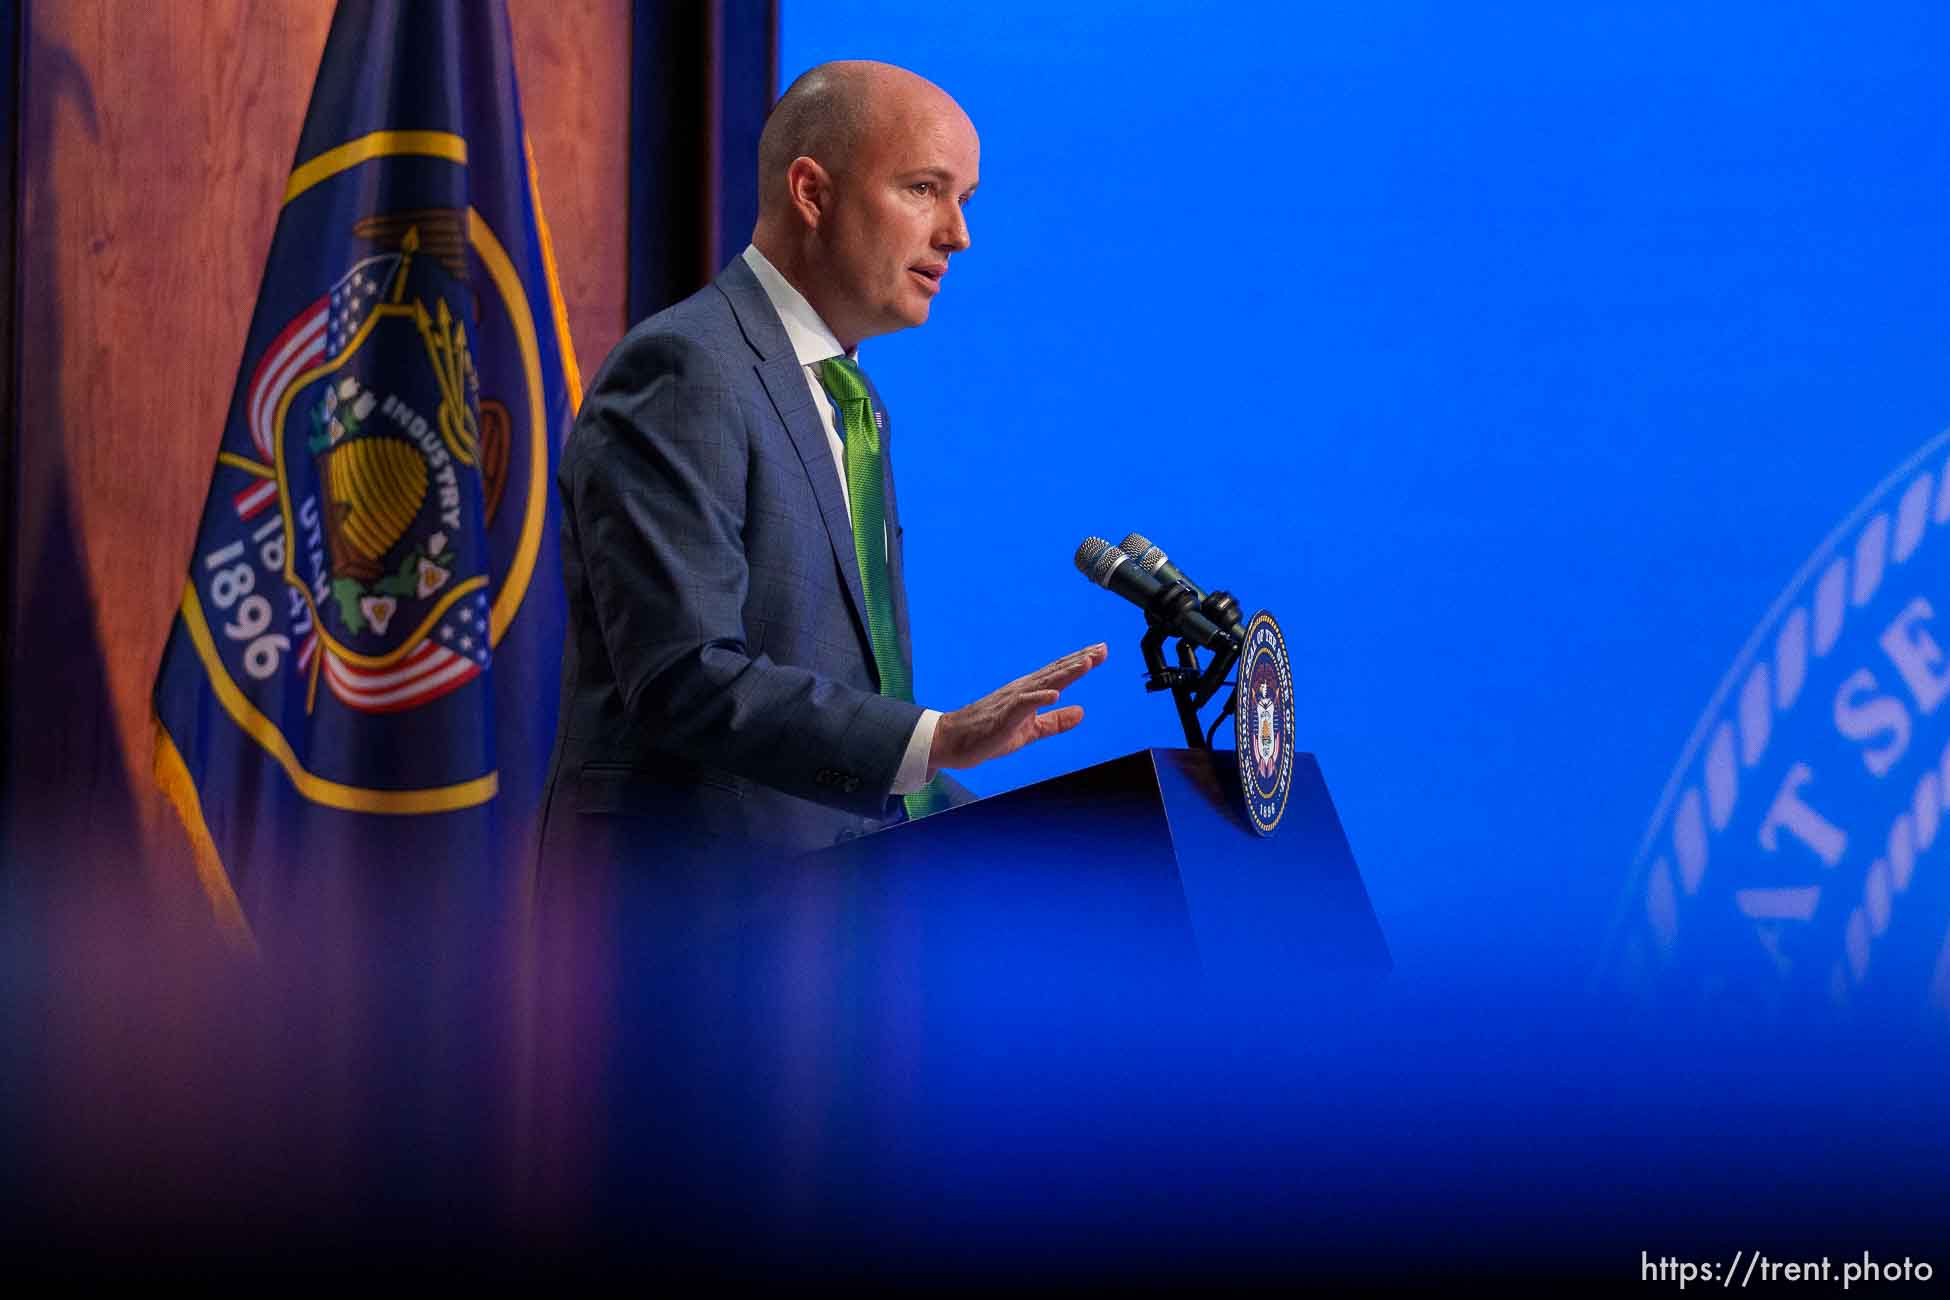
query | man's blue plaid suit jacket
(719,689)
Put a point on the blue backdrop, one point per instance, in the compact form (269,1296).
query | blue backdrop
(1517,357)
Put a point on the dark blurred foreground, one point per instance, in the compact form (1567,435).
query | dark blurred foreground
(430,1085)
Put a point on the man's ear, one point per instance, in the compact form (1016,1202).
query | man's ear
(810,190)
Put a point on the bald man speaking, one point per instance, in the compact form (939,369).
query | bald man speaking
(738,675)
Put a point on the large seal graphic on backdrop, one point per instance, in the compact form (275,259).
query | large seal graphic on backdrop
(1796,863)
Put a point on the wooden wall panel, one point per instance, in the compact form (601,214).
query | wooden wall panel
(156,140)
(573,61)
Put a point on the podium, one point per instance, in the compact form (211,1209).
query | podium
(1148,858)
(1123,888)
(866,1025)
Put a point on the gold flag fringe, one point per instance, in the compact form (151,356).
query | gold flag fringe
(173,778)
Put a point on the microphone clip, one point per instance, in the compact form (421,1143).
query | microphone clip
(1192,686)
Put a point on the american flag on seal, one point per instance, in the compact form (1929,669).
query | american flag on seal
(319,331)
(454,655)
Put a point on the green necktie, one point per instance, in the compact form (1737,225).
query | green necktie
(866,476)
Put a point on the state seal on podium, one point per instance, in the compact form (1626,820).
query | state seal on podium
(1263,723)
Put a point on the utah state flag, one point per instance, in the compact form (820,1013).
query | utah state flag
(360,684)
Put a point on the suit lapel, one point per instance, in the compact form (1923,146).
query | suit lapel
(785,383)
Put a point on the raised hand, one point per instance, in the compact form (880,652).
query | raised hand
(1005,720)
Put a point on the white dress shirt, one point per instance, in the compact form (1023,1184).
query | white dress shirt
(812,342)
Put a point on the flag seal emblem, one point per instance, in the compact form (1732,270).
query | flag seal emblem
(379,514)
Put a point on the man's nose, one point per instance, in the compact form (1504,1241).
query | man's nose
(953,236)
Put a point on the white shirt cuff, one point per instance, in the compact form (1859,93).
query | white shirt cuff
(913,773)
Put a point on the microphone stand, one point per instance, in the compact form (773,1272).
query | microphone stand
(1191,687)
